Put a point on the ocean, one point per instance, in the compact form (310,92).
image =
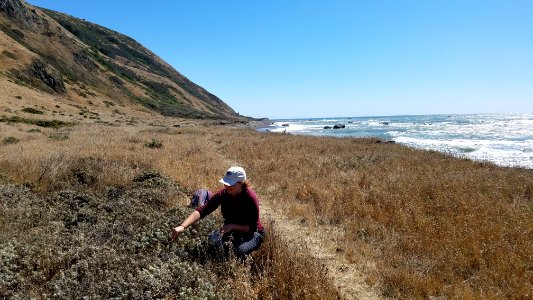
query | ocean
(504,139)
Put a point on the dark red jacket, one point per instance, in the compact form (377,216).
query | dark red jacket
(242,210)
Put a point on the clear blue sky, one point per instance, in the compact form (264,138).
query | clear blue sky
(283,59)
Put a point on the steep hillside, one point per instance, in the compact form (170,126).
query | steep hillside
(50,55)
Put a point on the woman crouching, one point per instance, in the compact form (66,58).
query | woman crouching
(239,206)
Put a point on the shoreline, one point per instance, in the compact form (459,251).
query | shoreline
(259,123)
(479,137)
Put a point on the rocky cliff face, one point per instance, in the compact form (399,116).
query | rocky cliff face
(60,54)
(18,13)
(41,75)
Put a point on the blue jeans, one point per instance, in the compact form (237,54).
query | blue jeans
(243,243)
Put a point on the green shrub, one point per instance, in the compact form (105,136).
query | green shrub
(18,32)
(9,54)
(154,144)
(84,175)
(3,178)
(59,136)
(152,179)
(110,245)
(32,110)
(115,80)
(10,140)
(52,123)
(108,103)
(40,123)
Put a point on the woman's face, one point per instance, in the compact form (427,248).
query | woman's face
(235,189)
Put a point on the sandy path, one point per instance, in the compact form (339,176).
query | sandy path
(322,245)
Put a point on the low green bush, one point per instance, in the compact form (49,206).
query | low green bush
(9,54)
(40,123)
(32,110)
(10,140)
(109,245)
(154,144)
(59,136)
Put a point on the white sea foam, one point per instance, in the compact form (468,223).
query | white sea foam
(505,139)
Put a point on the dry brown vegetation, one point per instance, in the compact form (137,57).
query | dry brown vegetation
(95,210)
(417,224)
(434,225)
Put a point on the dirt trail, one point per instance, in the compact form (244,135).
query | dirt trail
(322,245)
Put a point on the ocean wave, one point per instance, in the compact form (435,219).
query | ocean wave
(505,139)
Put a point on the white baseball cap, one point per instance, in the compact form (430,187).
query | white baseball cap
(233,175)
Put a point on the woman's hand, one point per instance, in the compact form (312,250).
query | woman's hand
(176,231)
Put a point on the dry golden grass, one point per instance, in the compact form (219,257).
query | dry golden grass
(289,273)
(430,225)
(102,158)
(436,225)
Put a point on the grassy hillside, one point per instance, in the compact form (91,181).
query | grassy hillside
(119,47)
(91,205)
(83,63)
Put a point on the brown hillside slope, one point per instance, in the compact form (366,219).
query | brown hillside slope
(73,60)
